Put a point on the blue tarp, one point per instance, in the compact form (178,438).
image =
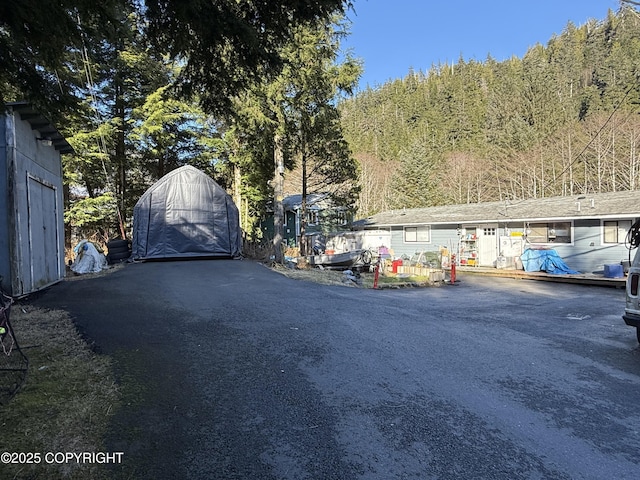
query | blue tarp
(544,261)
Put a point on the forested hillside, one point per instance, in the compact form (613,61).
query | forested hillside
(562,120)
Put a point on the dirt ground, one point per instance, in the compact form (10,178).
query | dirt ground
(324,277)
(363,280)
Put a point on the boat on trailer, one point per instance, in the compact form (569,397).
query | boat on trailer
(341,261)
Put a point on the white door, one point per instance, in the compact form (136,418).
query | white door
(487,245)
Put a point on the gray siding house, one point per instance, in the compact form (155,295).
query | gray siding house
(587,231)
(32,208)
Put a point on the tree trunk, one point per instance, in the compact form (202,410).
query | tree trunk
(278,194)
(303,209)
(120,157)
(237,195)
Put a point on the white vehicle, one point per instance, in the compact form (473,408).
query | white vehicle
(632,309)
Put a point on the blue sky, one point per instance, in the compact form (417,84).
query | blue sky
(393,36)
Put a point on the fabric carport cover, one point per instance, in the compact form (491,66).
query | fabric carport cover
(185,214)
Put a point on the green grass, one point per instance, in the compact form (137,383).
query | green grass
(64,404)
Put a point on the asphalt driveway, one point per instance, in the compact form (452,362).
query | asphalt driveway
(232,371)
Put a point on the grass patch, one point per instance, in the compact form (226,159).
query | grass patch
(65,403)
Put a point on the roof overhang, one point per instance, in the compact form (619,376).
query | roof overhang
(597,206)
(501,220)
(41,124)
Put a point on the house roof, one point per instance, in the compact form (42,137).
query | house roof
(42,125)
(589,206)
(294,202)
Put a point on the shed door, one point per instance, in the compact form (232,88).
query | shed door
(44,252)
(487,245)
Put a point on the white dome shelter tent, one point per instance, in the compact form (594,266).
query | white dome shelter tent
(186,214)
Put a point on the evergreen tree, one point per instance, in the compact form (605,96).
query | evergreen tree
(169,133)
(237,41)
(38,40)
(559,120)
(295,115)
(414,182)
(314,80)
(118,75)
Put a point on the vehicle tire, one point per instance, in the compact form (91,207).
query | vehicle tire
(118,247)
(638,334)
(119,243)
(118,257)
(113,251)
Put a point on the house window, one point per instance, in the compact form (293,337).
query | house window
(615,231)
(558,232)
(341,217)
(417,234)
(312,217)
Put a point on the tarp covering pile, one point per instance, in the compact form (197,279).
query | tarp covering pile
(545,261)
(88,259)
(186,214)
